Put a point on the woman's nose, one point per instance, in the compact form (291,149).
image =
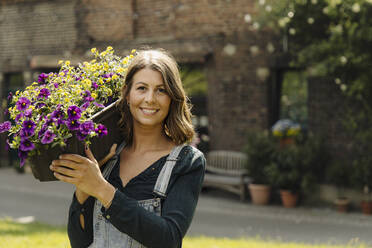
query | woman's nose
(150,97)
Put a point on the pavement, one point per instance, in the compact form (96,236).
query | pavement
(218,214)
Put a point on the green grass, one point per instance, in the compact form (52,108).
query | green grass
(36,235)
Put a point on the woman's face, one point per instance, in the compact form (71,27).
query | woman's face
(148,100)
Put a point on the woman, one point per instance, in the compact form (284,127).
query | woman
(147,192)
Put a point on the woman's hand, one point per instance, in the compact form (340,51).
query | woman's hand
(85,174)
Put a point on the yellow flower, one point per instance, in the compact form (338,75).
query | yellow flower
(109,92)
(93,50)
(94,95)
(120,70)
(67,62)
(133,51)
(88,82)
(114,77)
(109,48)
(60,62)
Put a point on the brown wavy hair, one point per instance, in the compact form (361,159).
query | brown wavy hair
(177,125)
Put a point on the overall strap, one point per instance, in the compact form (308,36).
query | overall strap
(164,175)
(112,162)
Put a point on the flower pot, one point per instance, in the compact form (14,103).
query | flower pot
(286,141)
(342,205)
(260,193)
(366,207)
(289,199)
(100,147)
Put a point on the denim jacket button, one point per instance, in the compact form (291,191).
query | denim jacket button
(156,204)
(108,217)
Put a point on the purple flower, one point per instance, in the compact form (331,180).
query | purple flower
(42,130)
(94,85)
(22,155)
(108,75)
(101,130)
(48,137)
(86,127)
(26,145)
(10,96)
(85,106)
(58,114)
(29,126)
(28,113)
(42,77)
(80,136)
(4,127)
(56,85)
(19,116)
(99,105)
(44,93)
(74,112)
(40,105)
(87,96)
(23,103)
(6,112)
(7,147)
(28,129)
(73,125)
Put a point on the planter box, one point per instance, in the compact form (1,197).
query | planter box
(100,147)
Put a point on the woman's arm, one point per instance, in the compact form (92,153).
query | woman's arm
(178,209)
(80,237)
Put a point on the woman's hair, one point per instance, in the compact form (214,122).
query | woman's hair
(177,125)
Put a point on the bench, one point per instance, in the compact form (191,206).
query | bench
(226,170)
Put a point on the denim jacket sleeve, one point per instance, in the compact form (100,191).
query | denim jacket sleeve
(178,207)
(79,237)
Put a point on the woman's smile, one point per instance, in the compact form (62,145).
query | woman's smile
(149,111)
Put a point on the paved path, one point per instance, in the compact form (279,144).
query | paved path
(217,214)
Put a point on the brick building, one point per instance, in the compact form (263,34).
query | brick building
(241,63)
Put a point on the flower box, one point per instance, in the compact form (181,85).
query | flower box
(65,111)
(100,147)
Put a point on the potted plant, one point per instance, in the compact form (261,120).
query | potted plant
(286,173)
(65,111)
(339,174)
(363,179)
(259,150)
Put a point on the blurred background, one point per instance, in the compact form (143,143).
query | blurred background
(245,64)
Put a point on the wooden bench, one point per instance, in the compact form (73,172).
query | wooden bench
(226,170)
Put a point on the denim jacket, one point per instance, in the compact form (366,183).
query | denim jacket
(128,217)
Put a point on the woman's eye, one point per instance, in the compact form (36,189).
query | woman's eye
(141,88)
(161,90)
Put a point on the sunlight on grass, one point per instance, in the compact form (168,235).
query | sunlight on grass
(33,235)
(36,235)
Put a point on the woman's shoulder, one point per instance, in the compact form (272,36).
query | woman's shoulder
(190,158)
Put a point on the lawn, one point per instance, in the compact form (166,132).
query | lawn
(36,235)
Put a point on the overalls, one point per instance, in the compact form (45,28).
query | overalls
(105,235)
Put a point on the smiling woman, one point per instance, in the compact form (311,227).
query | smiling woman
(148,100)
(146,193)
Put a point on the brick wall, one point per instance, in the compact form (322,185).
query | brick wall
(213,32)
(30,28)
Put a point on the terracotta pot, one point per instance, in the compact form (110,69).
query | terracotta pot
(286,141)
(366,207)
(100,147)
(289,199)
(260,193)
(342,205)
